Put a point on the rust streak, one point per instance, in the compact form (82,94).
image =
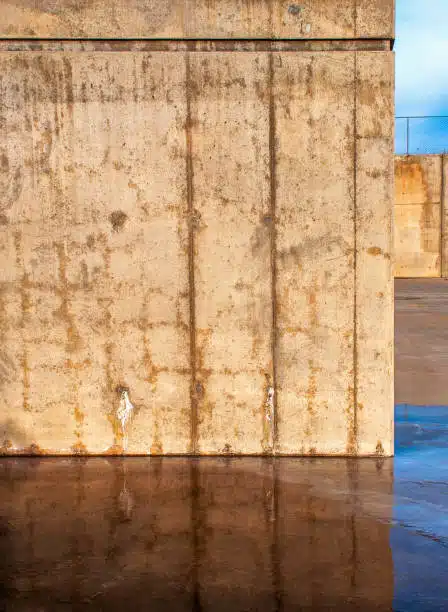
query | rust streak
(267,416)
(191,249)
(25,307)
(156,446)
(272,226)
(79,448)
(379,449)
(352,437)
(151,370)
(73,337)
(73,344)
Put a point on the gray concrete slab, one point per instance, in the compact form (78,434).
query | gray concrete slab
(421,341)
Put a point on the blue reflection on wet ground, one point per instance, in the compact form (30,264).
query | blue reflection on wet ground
(419,535)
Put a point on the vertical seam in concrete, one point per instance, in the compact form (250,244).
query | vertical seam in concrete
(271,18)
(442,218)
(191,245)
(354,425)
(355,18)
(273,209)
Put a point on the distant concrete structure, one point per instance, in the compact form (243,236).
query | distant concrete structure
(196,218)
(421,240)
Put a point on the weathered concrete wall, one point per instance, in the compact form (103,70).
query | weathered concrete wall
(204,233)
(208,19)
(420,216)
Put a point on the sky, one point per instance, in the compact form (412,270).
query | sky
(422,72)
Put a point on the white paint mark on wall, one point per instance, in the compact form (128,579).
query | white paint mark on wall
(270,404)
(124,414)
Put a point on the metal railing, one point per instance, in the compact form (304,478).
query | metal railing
(421,135)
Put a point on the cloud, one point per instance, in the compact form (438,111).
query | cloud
(422,57)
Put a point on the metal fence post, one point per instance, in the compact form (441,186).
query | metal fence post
(407,135)
(427,139)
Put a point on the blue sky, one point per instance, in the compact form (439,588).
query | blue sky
(422,57)
(422,71)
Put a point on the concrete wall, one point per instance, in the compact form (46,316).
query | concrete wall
(209,19)
(421,247)
(199,233)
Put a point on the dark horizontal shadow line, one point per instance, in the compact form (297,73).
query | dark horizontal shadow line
(198,44)
(19,455)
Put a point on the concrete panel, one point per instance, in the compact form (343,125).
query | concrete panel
(444,217)
(232,248)
(94,286)
(417,179)
(314,111)
(417,241)
(335,310)
(372,419)
(375,18)
(197,19)
(418,230)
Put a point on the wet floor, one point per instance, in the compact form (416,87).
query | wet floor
(244,534)
(421,341)
(231,534)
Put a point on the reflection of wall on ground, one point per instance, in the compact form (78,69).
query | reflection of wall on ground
(208,534)
(421,246)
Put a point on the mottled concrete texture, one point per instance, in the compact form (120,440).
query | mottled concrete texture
(196,245)
(420,216)
(197,19)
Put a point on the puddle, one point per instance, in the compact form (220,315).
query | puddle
(231,534)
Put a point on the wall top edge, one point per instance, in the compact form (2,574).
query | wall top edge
(197,19)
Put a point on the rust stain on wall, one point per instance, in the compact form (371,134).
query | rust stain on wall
(25,303)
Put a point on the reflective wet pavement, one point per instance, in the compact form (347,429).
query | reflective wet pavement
(421,341)
(231,534)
